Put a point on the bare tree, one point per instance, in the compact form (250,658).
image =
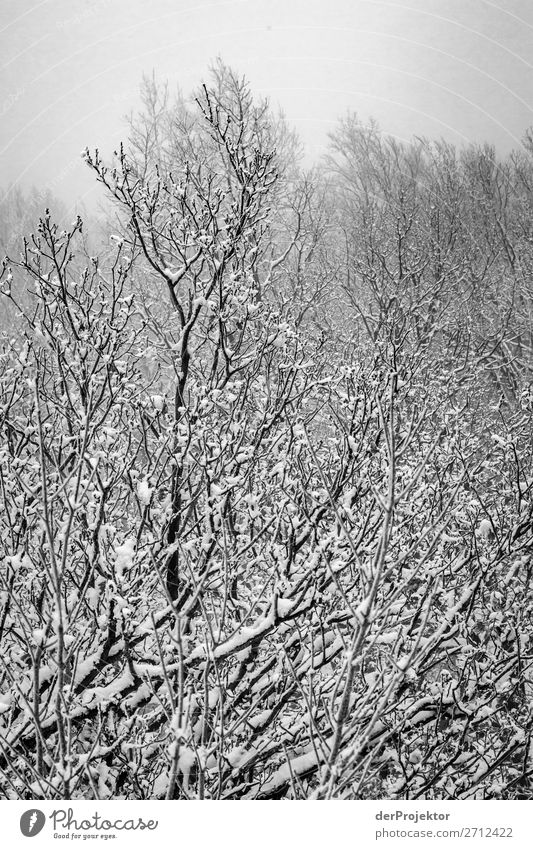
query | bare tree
(232,566)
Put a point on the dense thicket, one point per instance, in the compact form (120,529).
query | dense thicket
(266,471)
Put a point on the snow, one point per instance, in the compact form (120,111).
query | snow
(124,556)
(260,719)
(236,756)
(485,529)
(160,786)
(388,638)
(243,637)
(174,276)
(141,694)
(103,695)
(92,595)
(158,402)
(144,491)
(285,605)
(186,760)
(297,766)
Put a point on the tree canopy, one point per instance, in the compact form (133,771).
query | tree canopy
(266,470)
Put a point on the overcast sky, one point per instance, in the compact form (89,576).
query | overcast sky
(71,69)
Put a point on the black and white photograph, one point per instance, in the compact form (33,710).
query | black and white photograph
(266,407)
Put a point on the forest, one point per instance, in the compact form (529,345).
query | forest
(266,466)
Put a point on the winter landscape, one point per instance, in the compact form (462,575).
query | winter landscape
(266,465)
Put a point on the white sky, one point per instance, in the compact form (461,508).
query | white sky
(71,69)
